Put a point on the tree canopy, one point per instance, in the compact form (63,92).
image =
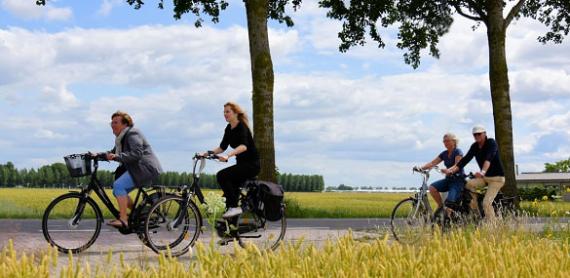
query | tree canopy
(420,23)
(213,8)
(562,166)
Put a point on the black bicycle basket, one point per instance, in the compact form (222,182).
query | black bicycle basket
(78,165)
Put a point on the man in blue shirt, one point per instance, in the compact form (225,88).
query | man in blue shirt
(486,152)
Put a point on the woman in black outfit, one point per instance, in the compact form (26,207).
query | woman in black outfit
(238,136)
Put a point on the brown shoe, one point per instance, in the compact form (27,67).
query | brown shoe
(117,223)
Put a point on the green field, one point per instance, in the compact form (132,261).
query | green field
(31,203)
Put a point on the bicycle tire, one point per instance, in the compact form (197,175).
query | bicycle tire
(267,235)
(140,214)
(161,219)
(54,223)
(407,225)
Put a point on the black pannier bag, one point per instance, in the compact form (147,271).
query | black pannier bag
(271,197)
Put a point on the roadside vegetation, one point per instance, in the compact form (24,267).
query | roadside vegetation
(499,252)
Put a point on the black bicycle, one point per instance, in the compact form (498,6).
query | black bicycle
(175,222)
(460,213)
(72,221)
(412,218)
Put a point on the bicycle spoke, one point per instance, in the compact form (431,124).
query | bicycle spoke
(163,235)
(71,224)
(410,221)
(265,235)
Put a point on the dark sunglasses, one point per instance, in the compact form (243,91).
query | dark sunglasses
(477,134)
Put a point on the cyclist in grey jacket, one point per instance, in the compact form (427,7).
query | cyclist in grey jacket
(139,166)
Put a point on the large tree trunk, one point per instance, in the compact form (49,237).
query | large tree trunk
(262,76)
(499,79)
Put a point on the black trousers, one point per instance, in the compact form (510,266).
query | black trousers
(232,177)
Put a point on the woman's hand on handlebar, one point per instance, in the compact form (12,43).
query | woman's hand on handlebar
(110,156)
(98,156)
(223,158)
(208,155)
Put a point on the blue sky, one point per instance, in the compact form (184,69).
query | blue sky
(359,118)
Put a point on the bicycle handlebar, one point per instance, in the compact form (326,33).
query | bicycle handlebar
(439,170)
(426,171)
(207,156)
(97,156)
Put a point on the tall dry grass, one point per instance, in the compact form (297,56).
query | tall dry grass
(462,253)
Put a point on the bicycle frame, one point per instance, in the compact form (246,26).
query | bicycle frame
(193,190)
(95,186)
(421,196)
(195,186)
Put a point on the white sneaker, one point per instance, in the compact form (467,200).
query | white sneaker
(232,212)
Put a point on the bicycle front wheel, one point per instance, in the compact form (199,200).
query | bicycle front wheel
(410,221)
(72,222)
(264,234)
(173,224)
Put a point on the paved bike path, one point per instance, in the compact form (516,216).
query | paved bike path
(27,233)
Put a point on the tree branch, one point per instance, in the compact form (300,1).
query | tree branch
(478,7)
(461,12)
(514,11)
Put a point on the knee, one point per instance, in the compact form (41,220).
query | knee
(219,176)
(470,185)
(118,190)
(432,189)
(222,176)
(487,201)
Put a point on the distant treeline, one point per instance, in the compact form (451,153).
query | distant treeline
(56,175)
(343,187)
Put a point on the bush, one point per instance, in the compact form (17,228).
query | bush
(536,193)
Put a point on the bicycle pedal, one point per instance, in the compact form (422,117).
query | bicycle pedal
(225,241)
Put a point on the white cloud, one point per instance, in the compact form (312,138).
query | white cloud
(30,11)
(58,99)
(107,6)
(47,134)
(355,128)
(173,56)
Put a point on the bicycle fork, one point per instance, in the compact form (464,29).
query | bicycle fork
(76,218)
(421,199)
(179,217)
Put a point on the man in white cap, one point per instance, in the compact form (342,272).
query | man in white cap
(486,152)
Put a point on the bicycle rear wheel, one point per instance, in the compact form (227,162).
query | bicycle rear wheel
(174,224)
(264,234)
(410,221)
(72,222)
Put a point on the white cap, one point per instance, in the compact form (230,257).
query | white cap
(478,129)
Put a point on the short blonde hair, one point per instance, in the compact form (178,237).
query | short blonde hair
(125,117)
(452,137)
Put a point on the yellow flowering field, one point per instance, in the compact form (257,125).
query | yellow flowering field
(31,203)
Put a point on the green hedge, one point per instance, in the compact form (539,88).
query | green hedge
(536,193)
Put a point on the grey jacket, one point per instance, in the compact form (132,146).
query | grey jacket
(138,158)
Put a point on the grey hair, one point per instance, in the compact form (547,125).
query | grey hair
(452,137)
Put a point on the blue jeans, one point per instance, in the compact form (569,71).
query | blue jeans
(453,186)
(123,185)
